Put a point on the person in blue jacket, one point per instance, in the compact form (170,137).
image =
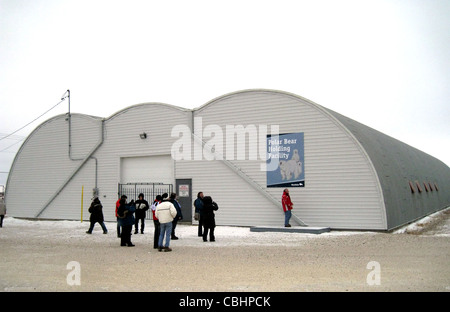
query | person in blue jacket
(126,221)
(198,204)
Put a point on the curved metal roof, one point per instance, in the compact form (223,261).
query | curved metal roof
(136,106)
(397,164)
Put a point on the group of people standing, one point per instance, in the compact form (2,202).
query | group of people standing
(166,212)
(204,213)
(165,218)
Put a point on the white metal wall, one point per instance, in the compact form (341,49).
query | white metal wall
(42,165)
(341,190)
(122,141)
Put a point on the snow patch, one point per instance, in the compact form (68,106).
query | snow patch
(421,225)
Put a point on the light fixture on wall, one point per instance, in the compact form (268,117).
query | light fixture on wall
(143,135)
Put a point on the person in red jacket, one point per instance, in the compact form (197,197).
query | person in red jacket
(117,217)
(287,207)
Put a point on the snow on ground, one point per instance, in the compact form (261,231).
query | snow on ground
(225,235)
(437,224)
(35,255)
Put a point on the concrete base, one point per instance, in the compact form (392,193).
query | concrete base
(293,229)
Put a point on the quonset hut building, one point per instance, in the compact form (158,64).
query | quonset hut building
(243,149)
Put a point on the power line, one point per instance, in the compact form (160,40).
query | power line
(11,145)
(62,100)
(13,137)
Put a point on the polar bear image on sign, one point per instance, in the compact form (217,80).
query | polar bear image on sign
(296,156)
(291,167)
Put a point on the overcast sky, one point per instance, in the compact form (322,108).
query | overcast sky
(384,63)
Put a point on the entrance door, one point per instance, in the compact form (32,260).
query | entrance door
(146,169)
(183,188)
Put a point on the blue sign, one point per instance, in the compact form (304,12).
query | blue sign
(285,160)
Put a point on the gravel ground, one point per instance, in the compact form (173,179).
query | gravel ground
(35,255)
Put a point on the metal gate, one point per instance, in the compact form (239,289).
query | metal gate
(150,190)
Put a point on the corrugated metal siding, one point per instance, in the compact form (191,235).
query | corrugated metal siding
(122,140)
(239,203)
(42,165)
(341,186)
(398,163)
(67,205)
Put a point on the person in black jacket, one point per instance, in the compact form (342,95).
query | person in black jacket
(198,204)
(209,222)
(96,210)
(2,210)
(126,221)
(179,215)
(141,209)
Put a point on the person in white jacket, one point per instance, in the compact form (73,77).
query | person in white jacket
(165,212)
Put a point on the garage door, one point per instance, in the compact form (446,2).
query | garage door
(148,169)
